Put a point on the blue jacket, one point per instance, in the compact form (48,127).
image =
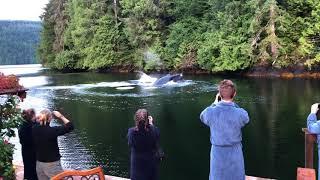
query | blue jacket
(314,125)
(225,121)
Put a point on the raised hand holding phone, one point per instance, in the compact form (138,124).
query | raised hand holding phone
(315,108)
(217,99)
(150,118)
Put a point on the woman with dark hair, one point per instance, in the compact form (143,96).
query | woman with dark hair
(27,146)
(143,140)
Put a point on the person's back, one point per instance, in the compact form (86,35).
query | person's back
(27,146)
(45,138)
(143,141)
(225,120)
(46,143)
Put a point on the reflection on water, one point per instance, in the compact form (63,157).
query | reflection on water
(102,107)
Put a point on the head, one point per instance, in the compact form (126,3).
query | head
(22,95)
(29,115)
(227,89)
(141,119)
(44,117)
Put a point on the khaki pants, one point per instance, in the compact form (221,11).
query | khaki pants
(46,170)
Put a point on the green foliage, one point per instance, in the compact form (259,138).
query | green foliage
(18,41)
(106,47)
(142,22)
(213,35)
(10,118)
(185,36)
(6,167)
(65,60)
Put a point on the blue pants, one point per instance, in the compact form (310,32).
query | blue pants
(226,163)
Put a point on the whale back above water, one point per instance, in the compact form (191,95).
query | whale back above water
(167,78)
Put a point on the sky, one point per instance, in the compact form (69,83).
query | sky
(22,9)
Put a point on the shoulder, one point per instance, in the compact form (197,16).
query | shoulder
(154,129)
(132,130)
(241,110)
(210,108)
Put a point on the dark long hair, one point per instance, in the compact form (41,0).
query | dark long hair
(28,114)
(141,119)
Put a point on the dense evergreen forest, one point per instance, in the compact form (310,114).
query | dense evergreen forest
(212,35)
(18,41)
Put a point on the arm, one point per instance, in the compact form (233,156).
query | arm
(129,138)
(204,116)
(216,100)
(66,128)
(244,117)
(312,123)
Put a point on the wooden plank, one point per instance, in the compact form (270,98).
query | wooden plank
(257,178)
(12,91)
(309,141)
(19,174)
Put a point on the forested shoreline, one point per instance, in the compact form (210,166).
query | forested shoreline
(174,35)
(19,41)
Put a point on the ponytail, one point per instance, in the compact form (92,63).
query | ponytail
(141,119)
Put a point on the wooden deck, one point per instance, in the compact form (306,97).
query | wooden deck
(19,174)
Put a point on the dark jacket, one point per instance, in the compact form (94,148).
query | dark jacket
(28,150)
(143,145)
(46,142)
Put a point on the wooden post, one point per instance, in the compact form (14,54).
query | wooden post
(309,140)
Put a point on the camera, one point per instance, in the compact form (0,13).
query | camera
(219,98)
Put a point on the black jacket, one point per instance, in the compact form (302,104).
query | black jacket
(46,142)
(28,151)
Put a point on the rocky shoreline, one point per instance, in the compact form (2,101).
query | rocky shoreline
(257,71)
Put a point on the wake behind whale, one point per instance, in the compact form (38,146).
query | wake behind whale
(145,81)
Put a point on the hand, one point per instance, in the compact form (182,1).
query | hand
(217,99)
(150,120)
(57,114)
(314,108)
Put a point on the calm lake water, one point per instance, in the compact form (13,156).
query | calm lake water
(102,107)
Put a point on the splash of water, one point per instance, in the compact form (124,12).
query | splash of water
(146,79)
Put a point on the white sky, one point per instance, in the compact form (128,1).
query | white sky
(22,9)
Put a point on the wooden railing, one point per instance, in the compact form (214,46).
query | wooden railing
(309,141)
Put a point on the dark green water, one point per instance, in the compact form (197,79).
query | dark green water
(273,142)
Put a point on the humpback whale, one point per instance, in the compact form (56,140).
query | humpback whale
(169,77)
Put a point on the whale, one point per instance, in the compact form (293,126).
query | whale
(167,78)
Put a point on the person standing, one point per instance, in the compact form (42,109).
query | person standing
(27,147)
(225,120)
(313,126)
(143,140)
(46,143)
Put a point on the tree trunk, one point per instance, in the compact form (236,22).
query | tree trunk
(273,41)
(115,10)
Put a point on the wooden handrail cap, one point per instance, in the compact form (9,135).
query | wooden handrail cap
(305,130)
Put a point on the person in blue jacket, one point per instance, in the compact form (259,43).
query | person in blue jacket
(225,120)
(143,140)
(313,126)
